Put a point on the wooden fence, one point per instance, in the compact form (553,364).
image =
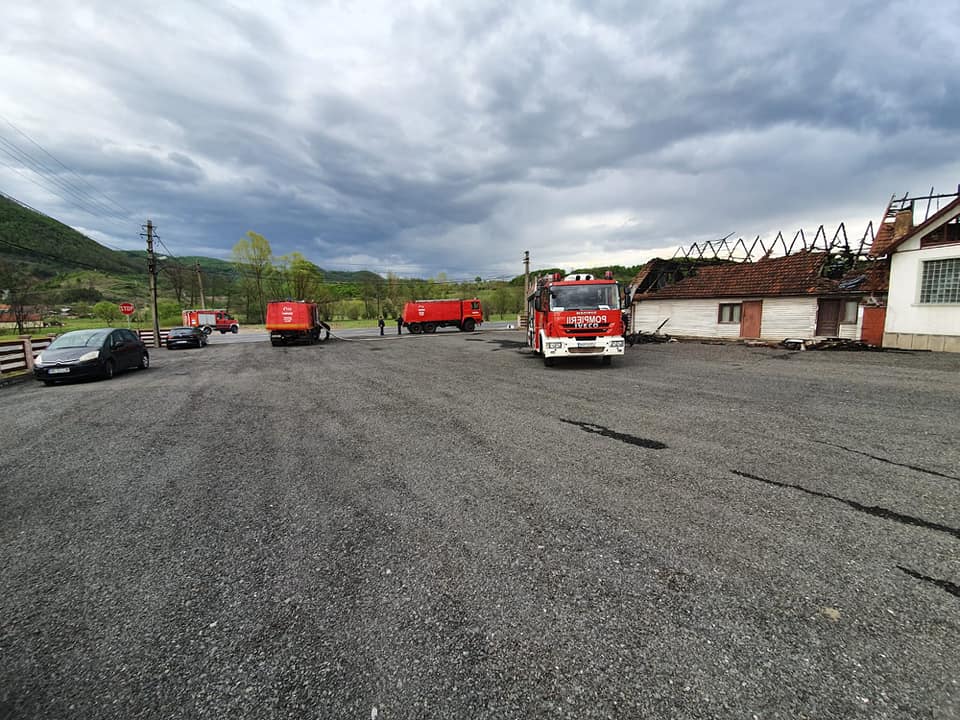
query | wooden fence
(16,356)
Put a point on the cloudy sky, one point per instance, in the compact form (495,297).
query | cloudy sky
(427,137)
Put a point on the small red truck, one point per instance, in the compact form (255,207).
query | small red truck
(425,316)
(210,320)
(291,321)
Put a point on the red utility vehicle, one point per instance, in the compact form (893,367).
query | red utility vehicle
(295,320)
(210,320)
(425,316)
(575,315)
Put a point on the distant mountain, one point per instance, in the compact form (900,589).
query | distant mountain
(48,246)
(207,265)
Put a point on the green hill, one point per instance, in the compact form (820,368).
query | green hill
(48,247)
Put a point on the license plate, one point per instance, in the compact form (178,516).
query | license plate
(586,344)
(58,371)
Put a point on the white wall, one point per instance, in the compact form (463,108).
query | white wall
(690,318)
(904,313)
(792,317)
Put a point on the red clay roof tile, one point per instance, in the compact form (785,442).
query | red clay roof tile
(792,275)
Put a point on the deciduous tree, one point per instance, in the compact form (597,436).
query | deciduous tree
(107,311)
(254,259)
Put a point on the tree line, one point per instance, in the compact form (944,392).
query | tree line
(262,277)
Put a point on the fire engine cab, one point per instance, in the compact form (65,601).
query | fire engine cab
(576,315)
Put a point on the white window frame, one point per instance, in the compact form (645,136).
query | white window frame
(939,272)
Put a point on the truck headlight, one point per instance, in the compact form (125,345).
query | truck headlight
(616,344)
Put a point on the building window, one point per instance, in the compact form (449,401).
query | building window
(729,313)
(940,282)
(848,312)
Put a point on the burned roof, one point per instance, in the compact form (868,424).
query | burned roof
(897,227)
(806,273)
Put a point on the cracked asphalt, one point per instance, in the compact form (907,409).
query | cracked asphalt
(441,527)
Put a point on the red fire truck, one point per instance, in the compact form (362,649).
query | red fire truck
(210,320)
(295,320)
(576,315)
(425,316)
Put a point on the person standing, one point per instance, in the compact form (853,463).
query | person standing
(380,323)
(399,324)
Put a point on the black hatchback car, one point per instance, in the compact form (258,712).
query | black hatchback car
(90,353)
(186,337)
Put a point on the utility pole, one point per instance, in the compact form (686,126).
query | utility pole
(526,275)
(524,318)
(200,283)
(152,268)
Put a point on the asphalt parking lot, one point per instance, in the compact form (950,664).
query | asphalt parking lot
(441,527)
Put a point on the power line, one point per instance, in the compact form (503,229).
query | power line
(48,256)
(127,212)
(49,217)
(60,187)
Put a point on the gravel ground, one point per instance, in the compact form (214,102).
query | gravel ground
(441,527)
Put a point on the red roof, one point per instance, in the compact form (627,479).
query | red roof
(792,275)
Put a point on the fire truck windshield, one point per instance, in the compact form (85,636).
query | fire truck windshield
(584,297)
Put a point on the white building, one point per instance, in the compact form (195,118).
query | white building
(807,295)
(923,304)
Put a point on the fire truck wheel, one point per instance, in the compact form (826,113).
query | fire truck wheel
(469,325)
(234,329)
(547,361)
(429,328)
(414,328)
(606,360)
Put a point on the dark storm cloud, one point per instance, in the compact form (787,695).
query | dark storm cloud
(419,138)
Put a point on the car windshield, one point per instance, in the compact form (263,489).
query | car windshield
(80,338)
(181,331)
(584,297)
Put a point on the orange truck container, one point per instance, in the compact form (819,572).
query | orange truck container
(291,321)
(425,316)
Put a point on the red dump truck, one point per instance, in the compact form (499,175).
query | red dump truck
(290,321)
(425,316)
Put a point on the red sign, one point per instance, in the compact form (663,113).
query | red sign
(127,308)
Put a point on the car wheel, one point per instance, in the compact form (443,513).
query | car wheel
(48,383)
(108,369)
(144,361)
